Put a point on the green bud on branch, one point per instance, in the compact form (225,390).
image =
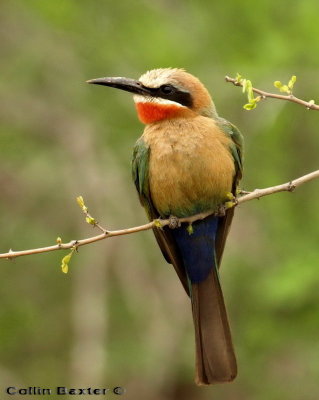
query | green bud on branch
(286,88)
(190,229)
(248,88)
(90,220)
(80,202)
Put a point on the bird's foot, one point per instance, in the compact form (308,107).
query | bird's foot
(230,203)
(221,210)
(173,222)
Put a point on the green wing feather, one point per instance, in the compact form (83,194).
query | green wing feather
(236,146)
(140,173)
(236,149)
(165,240)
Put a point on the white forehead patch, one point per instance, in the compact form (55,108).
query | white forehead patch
(158,77)
(157,100)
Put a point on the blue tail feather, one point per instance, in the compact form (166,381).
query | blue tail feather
(198,248)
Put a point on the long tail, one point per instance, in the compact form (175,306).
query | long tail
(215,358)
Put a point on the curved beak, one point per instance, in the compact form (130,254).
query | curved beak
(129,85)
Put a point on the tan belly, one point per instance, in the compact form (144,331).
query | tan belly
(191,168)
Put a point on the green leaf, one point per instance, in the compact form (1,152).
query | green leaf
(250,93)
(247,87)
(250,106)
(238,78)
(292,82)
(190,229)
(285,89)
(90,220)
(80,202)
(65,261)
(244,83)
(278,84)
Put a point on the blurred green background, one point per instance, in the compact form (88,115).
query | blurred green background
(120,317)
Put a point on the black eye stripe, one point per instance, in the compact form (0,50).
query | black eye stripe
(179,96)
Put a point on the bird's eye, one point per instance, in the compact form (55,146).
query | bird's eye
(167,89)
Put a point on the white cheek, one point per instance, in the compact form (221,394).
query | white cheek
(157,100)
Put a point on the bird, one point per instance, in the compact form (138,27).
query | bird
(189,161)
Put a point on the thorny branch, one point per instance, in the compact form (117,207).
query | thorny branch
(247,196)
(290,97)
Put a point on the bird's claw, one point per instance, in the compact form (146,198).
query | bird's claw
(173,222)
(221,210)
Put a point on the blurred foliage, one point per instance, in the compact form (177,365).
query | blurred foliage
(120,316)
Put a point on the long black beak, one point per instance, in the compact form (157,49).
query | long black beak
(129,85)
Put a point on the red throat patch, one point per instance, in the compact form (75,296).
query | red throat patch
(152,112)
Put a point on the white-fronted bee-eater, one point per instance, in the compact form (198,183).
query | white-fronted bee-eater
(187,161)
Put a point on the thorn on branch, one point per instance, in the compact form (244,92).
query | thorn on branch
(12,257)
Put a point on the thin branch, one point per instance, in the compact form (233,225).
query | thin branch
(285,187)
(290,97)
(256,194)
(88,217)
